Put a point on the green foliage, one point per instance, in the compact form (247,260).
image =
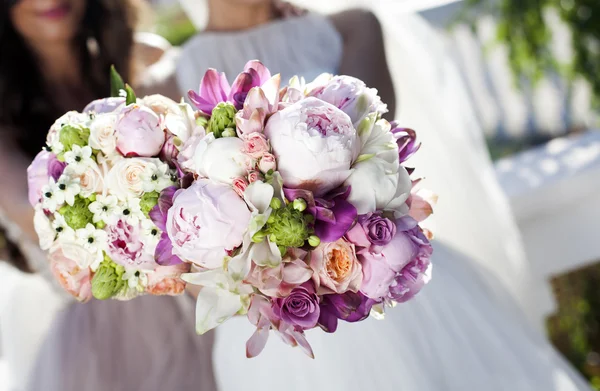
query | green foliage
(78,215)
(174,26)
(73,135)
(108,280)
(116,82)
(524,28)
(148,201)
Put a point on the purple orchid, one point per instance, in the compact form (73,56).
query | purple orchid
(349,306)
(333,214)
(406,140)
(214,87)
(164,250)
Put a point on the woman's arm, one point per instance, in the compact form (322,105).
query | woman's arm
(364,53)
(14,201)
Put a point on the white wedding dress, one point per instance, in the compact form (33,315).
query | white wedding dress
(466,330)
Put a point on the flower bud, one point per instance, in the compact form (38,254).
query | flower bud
(314,240)
(275,203)
(222,120)
(300,204)
(108,280)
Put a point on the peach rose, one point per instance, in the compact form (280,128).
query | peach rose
(74,279)
(336,267)
(165,280)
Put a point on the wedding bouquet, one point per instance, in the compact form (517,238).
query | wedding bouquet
(290,205)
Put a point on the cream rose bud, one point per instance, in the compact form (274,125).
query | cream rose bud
(139,132)
(43,228)
(379,185)
(126,177)
(267,163)
(102,133)
(315,144)
(337,270)
(91,180)
(221,159)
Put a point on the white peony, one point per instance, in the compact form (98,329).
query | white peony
(221,160)
(102,133)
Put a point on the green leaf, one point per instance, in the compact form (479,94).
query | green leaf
(116,82)
(131,98)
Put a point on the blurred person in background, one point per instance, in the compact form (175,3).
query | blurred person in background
(55,57)
(464,331)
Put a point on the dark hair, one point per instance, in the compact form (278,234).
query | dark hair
(27,110)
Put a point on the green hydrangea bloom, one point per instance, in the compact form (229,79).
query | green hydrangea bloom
(108,280)
(222,120)
(72,135)
(149,201)
(78,215)
(287,227)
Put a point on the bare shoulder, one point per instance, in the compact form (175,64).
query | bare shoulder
(356,21)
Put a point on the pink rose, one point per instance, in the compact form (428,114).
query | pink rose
(254,176)
(139,132)
(267,163)
(165,280)
(239,185)
(336,267)
(207,220)
(315,145)
(75,280)
(255,144)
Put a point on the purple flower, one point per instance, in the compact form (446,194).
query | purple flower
(164,250)
(214,87)
(350,307)
(333,214)
(406,140)
(105,105)
(372,231)
(395,265)
(300,308)
(55,167)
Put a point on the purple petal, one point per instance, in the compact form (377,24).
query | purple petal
(327,319)
(213,90)
(345,214)
(261,71)
(164,252)
(158,218)
(240,89)
(201,103)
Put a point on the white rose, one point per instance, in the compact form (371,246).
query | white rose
(160,104)
(43,228)
(102,133)
(91,180)
(379,185)
(220,159)
(126,178)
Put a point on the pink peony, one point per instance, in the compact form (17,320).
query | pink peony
(125,247)
(139,132)
(336,267)
(315,144)
(207,220)
(165,280)
(74,279)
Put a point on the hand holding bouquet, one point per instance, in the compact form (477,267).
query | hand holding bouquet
(292,206)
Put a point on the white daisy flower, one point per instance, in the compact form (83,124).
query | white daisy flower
(61,227)
(52,198)
(105,209)
(79,158)
(136,279)
(156,177)
(130,211)
(67,188)
(92,239)
(150,235)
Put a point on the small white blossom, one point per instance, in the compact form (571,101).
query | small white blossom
(52,198)
(67,188)
(79,158)
(61,227)
(105,209)
(136,279)
(92,239)
(130,211)
(156,177)
(150,235)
